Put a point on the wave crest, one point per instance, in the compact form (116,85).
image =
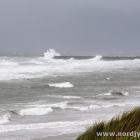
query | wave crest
(51,53)
(61,85)
(34,111)
(123,93)
(97,57)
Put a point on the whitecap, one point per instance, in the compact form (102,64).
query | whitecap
(106,94)
(34,111)
(108,79)
(61,105)
(65,97)
(83,108)
(51,53)
(5,118)
(61,85)
(97,57)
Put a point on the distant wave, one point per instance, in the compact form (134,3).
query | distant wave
(8,63)
(110,93)
(92,107)
(53,65)
(33,111)
(97,57)
(65,97)
(65,106)
(36,62)
(82,108)
(61,105)
(124,93)
(50,54)
(61,85)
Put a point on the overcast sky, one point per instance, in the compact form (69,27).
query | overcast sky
(95,26)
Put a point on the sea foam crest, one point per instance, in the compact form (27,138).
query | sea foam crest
(51,53)
(61,105)
(34,111)
(5,118)
(61,85)
(83,108)
(97,57)
(65,97)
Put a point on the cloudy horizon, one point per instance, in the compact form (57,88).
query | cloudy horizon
(93,26)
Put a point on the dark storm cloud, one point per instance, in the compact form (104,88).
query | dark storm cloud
(96,26)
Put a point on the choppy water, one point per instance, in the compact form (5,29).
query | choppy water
(50,95)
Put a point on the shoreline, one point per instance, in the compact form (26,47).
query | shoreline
(71,136)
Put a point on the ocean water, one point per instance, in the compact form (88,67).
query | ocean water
(52,95)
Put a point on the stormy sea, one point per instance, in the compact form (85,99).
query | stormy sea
(56,97)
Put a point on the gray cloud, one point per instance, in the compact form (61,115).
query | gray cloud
(94,26)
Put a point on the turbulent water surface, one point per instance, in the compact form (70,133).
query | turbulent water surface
(50,95)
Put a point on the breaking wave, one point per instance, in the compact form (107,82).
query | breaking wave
(38,67)
(97,57)
(50,54)
(65,106)
(92,107)
(65,97)
(61,85)
(61,105)
(34,111)
(5,118)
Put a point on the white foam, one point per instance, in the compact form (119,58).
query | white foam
(50,125)
(125,93)
(83,108)
(64,105)
(5,118)
(108,79)
(34,111)
(97,57)
(92,107)
(37,62)
(61,105)
(28,68)
(65,97)
(8,63)
(71,97)
(106,94)
(61,85)
(50,54)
